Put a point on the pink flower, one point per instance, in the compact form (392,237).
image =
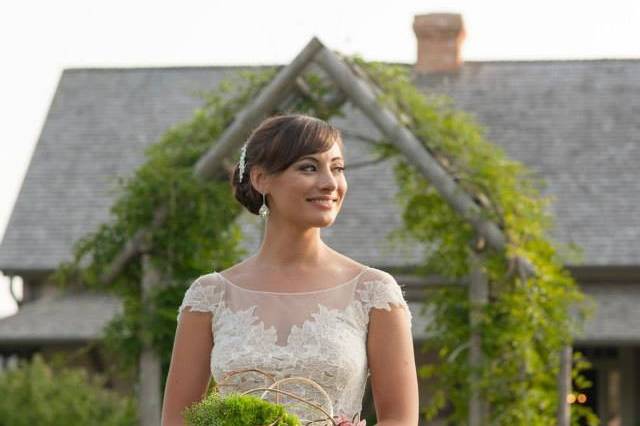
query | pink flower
(343,420)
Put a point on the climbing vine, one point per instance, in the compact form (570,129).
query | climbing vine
(527,320)
(523,328)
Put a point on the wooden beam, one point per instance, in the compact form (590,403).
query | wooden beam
(150,366)
(478,298)
(331,99)
(273,94)
(564,386)
(212,162)
(133,247)
(362,95)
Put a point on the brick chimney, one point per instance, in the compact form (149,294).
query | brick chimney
(440,37)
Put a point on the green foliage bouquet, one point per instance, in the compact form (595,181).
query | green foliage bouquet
(237,409)
(241,409)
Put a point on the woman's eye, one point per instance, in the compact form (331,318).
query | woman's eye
(311,165)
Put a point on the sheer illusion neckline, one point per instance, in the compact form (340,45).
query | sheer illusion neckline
(322,290)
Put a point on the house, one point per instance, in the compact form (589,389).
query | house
(574,122)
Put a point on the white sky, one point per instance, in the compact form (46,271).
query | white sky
(38,39)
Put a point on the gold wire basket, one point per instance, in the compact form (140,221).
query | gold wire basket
(325,411)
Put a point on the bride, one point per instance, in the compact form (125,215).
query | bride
(297,307)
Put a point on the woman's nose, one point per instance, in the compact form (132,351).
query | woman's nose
(329,180)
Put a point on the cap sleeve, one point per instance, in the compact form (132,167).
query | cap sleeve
(383,292)
(203,295)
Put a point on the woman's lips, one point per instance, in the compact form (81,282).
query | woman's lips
(325,204)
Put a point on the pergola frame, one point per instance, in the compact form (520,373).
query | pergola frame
(351,84)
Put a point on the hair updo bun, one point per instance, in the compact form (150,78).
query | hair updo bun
(276,144)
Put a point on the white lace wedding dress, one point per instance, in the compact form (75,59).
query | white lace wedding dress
(318,334)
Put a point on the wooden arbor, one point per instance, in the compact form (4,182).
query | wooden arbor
(351,84)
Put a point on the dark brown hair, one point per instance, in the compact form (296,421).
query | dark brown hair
(275,144)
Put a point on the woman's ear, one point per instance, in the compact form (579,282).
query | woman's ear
(259,179)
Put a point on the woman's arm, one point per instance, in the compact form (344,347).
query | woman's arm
(189,371)
(394,380)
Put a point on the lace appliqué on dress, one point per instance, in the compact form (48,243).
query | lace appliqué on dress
(328,348)
(382,294)
(201,297)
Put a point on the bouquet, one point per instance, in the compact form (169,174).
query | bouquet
(242,409)
(238,409)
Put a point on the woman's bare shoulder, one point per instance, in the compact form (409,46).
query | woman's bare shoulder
(345,262)
(238,270)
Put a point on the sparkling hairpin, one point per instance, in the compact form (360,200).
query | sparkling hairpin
(242,163)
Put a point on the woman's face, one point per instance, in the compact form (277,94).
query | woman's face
(311,190)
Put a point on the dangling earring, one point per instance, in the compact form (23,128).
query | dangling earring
(264,209)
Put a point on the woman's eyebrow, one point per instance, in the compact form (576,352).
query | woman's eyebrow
(314,159)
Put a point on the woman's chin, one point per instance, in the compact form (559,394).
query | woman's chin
(326,220)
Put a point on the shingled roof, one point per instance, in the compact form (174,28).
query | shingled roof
(571,121)
(576,123)
(64,318)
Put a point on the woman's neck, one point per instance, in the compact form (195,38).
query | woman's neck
(286,246)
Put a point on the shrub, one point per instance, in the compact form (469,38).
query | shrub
(35,394)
